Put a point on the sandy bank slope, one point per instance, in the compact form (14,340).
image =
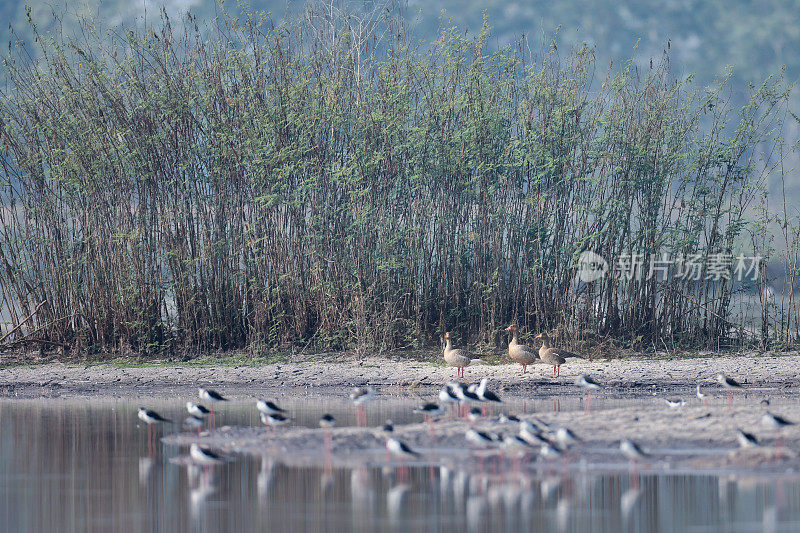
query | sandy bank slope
(628,375)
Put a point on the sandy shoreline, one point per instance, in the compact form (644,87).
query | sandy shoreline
(695,436)
(623,376)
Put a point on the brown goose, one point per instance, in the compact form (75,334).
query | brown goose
(553,356)
(520,353)
(457,358)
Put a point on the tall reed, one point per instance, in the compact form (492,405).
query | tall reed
(334,184)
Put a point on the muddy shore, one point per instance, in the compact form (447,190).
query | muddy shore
(622,376)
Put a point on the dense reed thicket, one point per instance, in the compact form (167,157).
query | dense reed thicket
(335,185)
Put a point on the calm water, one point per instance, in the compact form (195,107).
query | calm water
(70,465)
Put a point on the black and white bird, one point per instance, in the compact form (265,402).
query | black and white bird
(515,442)
(775,421)
(702,396)
(728,382)
(192,423)
(531,434)
(675,403)
(327,421)
(359,396)
(483,393)
(507,419)
(198,410)
(464,395)
(429,410)
(150,417)
(400,449)
(388,427)
(481,438)
(204,456)
(474,415)
(269,407)
(274,420)
(447,395)
(566,438)
(631,450)
(210,396)
(550,451)
(746,440)
(587,383)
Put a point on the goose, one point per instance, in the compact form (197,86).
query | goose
(553,356)
(457,358)
(520,353)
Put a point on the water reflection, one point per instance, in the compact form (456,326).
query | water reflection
(85,465)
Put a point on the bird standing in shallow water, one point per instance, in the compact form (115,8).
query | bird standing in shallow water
(204,456)
(359,396)
(632,451)
(730,384)
(776,422)
(746,440)
(702,396)
(268,407)
(150,418)
(212,397)
(588,384)
(274,420)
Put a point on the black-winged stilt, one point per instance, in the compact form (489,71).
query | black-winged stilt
(269,408)
(632,451)
(566,438)
(274,420)
(204,456)
(675,403)
(359,396)
(194,409)
(150,418)
(193,423)
(777,422)
(746,440)
(588,384)
(730,384)
(702,396)
(212,397)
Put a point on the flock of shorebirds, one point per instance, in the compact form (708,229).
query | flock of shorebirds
(533,434)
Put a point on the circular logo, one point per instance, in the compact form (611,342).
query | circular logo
(591,267)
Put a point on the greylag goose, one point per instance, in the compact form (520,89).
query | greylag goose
(457,358)
(553,356)
(520,353)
